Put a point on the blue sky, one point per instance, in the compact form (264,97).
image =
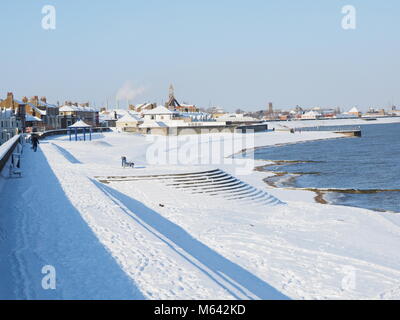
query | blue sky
(236,54)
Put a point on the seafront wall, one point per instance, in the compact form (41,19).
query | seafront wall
(189,130)
(6,150)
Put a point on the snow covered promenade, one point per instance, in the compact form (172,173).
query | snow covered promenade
(147,240)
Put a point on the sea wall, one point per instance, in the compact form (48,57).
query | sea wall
(6,150)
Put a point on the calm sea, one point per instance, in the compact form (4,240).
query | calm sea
(364,172)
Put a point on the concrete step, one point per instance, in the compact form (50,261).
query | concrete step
(207,181)
(246,195)
(162,176)
(215,183)
(202,178)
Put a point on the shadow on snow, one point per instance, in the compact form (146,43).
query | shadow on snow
(174,236)
(40,226)
(66,154)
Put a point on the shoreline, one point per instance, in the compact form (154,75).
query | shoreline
(319,192)
(319,198)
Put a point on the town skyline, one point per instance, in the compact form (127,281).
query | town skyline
(128,103)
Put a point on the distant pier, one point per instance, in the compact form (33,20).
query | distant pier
(351,133)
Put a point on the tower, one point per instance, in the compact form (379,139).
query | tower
(172,103)
(270,109)
(171,92)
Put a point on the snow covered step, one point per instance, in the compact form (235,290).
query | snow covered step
(213,183)
(201,182)
(220,188)
(245,195)
(159,177)
(209,184)
(202,177)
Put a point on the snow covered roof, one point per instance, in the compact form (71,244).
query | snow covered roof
(48,105)
(68,108)
(153,124)
(235,117)
(80,124)
(344,116)
(76,108)
(159,110)
(195,113)
(354,110)
(312,113)
(19,101)
(29,117)
(106,116)
(143,106)
(122,112)
(129,118)
(42,112)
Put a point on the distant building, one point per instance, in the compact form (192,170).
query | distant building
(34,116)
(145,106)
(216,112)
(9,125)
(187,108)
(311,115)
(160,114)
(237,118)
(33,124)
(17,108)
(375,113)
(108,118)
(49,113)
(72,112)
(129,122)
(173,104)
(328,113)
(270,114)
(394,111)
(196,116)
(354,112)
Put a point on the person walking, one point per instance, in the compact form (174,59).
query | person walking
(34,141)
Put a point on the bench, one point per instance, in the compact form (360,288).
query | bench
(126,164)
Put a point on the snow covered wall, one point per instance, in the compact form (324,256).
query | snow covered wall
(6,150)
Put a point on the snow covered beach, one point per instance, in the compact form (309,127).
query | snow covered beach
(146,239)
